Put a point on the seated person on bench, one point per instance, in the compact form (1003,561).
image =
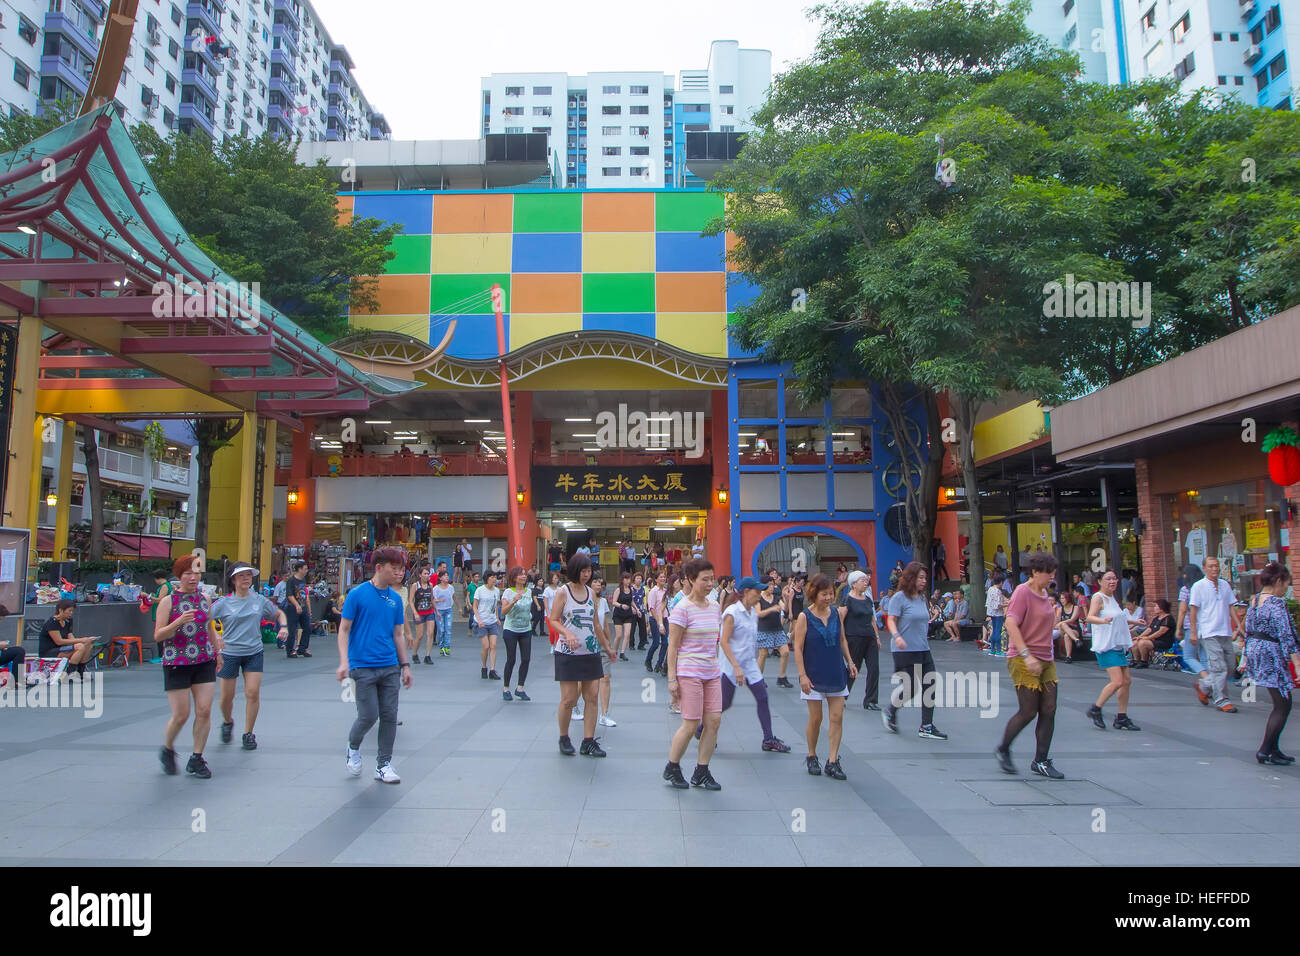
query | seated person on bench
(1155,639)
(956,614)
(57,638)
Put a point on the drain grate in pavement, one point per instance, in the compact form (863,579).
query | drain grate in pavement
(1036,793)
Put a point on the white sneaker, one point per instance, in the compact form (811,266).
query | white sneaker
(386,774)
(354,762)
(606,721)
(577,713)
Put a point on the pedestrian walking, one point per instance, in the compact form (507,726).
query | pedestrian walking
(822,659)
(1030,661)
(444,600)
(1271,643)
(1214,619)
(580,639)
(1111,641)
(738,643)
(240,614)
(907,619)
(189,645)
(425,613)
(517,632)
(654,607)
(298,599)
(623,614)
(771,635)
(860,632)
(487,627)
(372,653)
(694,677)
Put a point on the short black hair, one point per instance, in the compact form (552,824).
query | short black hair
(577,564)
(65,605)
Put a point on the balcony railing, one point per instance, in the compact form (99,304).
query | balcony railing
(174,474)
(124,521)
(419,466)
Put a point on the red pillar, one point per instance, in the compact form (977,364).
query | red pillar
(717,544)
(1292,495)
(522,421)
(300,517)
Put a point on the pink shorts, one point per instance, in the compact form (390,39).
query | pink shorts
(700,696)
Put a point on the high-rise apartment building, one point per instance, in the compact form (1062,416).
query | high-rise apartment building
(628,129)
(1237,47)
(225,67)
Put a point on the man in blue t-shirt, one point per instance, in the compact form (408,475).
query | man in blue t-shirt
(372,652)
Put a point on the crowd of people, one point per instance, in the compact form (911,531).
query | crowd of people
(710,634)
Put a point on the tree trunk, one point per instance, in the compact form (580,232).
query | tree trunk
(94,496)
(921,498)
(210,435)
(964,412)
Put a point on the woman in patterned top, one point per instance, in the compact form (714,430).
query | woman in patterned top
(189,645)
(580,639)
(1270,643)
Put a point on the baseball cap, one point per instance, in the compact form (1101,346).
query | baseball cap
(750,584)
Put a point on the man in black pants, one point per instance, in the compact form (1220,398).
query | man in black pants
(299,610)
(860,632)
(15,659)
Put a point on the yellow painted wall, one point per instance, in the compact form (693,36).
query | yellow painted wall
(1029,531)
(223,504)
(1009,430)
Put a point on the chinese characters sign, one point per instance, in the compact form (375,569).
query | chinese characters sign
(631,485)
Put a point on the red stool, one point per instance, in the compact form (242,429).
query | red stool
(124,644)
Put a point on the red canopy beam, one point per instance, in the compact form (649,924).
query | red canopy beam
(197,344)
(52,270)
(313,405)
(277,383)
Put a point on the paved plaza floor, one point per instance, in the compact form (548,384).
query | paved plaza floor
(484,784)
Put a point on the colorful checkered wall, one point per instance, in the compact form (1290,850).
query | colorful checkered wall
(570,261)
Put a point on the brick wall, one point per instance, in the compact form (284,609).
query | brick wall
(1159,576)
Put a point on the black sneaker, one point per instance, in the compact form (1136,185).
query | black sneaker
(520,695)
(428,659)
(168,758)
(566,747)
(1044,768)
(702,778)
(483,673)
(227,731)
(871,705)
(673,774)
(782,682)
(776,745)
(931,732)
(622,657)
(814,765)
(834,771)
(591,749)
(198,766)
(493,675)
(505,695)
(649,669)
(1124,723)
(1094,714)
(250,742)
(1003,758)
(889,717)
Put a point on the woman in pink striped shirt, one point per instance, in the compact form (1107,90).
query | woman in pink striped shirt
(694,675)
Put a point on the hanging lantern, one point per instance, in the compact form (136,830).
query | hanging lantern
(1282,445)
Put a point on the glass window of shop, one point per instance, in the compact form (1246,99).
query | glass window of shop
(1241,524)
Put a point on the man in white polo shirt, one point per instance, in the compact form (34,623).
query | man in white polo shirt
(1213,621)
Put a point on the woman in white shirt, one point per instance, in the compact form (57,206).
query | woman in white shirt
(486,625)
(1110,642)
(739,656)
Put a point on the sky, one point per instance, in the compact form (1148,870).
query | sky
(419,62)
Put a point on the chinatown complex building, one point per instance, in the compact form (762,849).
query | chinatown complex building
(632,415)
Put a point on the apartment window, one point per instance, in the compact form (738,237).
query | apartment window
(636,171)
(1149,18)
(542,129)
(727,129)
(1067,41)
(729,110)
(1257,34)
(149,62)
(22,75)
(639,90)
(541,91)
(639,151)
(1233,37)
(1284,105)
(514,129)
(611,151)
(696,128)
(611,171)
(541,111)
(695,108)
(611,90)
(1218,37)
(1277,67)
(1261,79)
(1182,26)
(513,111)
(27,30)
(177,16)
(169,119)
(514,91)
(173,49)
(611,111)
(611,131)
(1272,19)
(1238,80)
(1067,7)
(639,110)
(726,89)
(146,95)
(1185,67)
(640,130)
(170,83)
(1223,81)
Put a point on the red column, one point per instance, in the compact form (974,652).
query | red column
(1292,495)
(522,403)
(300,517)
(717,544)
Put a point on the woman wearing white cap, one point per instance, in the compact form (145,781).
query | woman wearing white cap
(739,656)
(241,614)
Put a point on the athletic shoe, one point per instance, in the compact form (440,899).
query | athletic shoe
(783,682)
(493,675)
(890,719)
(834,771)
(649,669)
(814,765)
(566,746)
(1044,768)
(386,774)
(702,778)
(675,710)
(1225,705)
(483,673)
(871,705)
(606,721)
(520,695)
(198,766)
(590,748)
(168,758)
(673,774)
(1201,695)
(428,659)
(1095,715)
(622,657)
(1123,723)
(776,745)
(1003,758)
(250,742)
(931,732)
(279,643)
(291,656)
(354,762)
(577,712)
(505,695)
(304,653)
(227,731)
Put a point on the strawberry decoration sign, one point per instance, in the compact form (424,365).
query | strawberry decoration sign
(1282,445)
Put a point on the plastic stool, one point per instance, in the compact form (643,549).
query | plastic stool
(125,644)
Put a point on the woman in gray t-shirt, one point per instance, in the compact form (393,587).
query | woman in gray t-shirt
(240,615)
(908,618)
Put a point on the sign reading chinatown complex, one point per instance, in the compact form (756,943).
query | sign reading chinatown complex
(631,485)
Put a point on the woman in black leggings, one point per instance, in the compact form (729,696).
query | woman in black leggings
(1270,642)
(516,631)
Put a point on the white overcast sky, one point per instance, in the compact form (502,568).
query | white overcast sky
(419,62)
